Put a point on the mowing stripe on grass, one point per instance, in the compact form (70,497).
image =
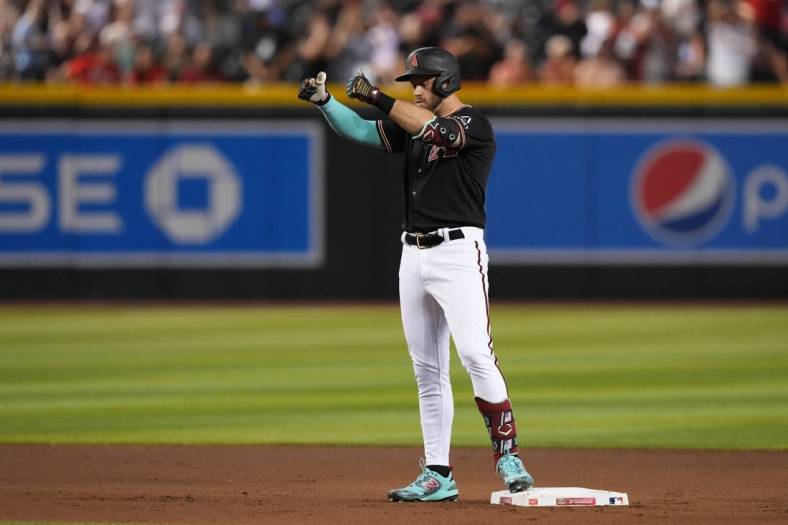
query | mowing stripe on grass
(700,377)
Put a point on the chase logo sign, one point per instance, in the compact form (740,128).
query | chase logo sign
(161,193)
(682,192)
(200,163)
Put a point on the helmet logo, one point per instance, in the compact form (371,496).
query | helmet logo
(413,61)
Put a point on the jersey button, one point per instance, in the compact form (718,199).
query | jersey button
(414,193)
(419,170)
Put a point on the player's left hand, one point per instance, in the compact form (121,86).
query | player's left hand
(361,88)
(314,89)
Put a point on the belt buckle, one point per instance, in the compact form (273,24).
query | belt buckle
(418,239)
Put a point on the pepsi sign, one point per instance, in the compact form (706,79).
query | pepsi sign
(682,192)
(671,191)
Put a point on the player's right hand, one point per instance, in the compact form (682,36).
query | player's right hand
(314,89)
(361,88)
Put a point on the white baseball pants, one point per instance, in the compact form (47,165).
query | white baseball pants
(443,290)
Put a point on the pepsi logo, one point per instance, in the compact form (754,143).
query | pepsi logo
(682,192)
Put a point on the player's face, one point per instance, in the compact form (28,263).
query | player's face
(423,95)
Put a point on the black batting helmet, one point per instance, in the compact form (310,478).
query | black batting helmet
(434,62)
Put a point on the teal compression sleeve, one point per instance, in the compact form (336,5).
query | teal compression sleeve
(349,124)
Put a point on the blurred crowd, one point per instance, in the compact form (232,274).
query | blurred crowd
(597,43)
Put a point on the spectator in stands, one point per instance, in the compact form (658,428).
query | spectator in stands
(177,17)
(412,31)
(146,69)
(383,40)
(96,14)
(9,15)
(418,28)
(647,45)
(514,68)
(500,24)
(601,70)
(683,18)
(146,19)
(93,64)
(468,38)
(558,68)
(768,17)
(601,24)
(312,44)
(119,37)
(31,54)
(256,72)
(568,21)
(266,53)
(347,48)
(202,67)
(627,36)
(261,41)
(770,63)
(176,56)
(731,44)
(221,25)
(65,25)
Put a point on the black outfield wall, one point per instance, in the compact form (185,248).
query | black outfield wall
(362,226)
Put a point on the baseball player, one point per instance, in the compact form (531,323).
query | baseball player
(448,152)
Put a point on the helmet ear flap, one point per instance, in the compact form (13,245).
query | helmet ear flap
(442,85)
(446,83)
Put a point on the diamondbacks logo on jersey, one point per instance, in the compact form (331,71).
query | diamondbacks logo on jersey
(440,152)
(430,131)
(445,142)
(682,192)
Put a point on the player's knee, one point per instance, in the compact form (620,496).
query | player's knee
(476,363)
(427,373)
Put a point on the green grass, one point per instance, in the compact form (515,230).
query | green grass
(578,376)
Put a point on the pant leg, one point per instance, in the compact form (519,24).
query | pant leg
(427,336)
(457,279)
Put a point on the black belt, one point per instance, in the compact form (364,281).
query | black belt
(429,240)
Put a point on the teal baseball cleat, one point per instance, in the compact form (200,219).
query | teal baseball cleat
(429,486)
(513,472)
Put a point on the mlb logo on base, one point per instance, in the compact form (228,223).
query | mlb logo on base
(560,497)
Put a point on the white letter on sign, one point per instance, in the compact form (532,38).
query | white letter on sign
(757,207)
(193,161)
(29,194)
(72,193)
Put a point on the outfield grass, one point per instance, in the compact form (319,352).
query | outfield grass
(579,376)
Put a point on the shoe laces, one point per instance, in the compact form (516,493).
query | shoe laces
(509,465)
(425,474)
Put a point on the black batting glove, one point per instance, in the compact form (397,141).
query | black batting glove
(361,88)
(314,90)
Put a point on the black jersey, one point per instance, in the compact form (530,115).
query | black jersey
(446,169)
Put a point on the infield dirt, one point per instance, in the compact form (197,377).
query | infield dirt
(270,484)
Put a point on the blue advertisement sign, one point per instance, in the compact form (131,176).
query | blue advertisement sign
(639,191)
(152,193)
